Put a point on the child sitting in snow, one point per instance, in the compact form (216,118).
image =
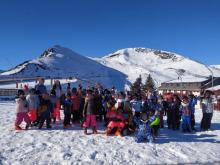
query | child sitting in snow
(67,111)
(144,129)
(116,122)
(21,110)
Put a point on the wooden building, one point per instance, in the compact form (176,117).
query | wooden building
(188,85)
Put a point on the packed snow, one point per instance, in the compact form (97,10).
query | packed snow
(58,146)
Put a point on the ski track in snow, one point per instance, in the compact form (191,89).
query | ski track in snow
(58,146)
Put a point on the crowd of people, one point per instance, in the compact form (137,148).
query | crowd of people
(121,113)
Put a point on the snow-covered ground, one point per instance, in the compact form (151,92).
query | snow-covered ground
(58,146)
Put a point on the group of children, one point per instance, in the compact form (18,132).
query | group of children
(123,114)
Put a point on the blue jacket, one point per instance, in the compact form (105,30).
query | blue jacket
(136,105)
(192,104)
(144,132)
(68,106)
(42,88)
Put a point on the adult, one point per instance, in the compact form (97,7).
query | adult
(40,87)
(207,104)
(58,91)
(192,104)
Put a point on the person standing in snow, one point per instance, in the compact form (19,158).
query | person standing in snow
(33,104)
(173,114)
(21,110)
(136,105)
(192,104)
(99,106)
(40,87)
(186,115)
(76,105)
(53,100)
(45,110)
(58,89)
(207,104)
(67,111)
(89,112)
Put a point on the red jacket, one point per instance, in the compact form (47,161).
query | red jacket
(76,102)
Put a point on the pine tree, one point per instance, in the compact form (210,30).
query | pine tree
(136,86)
(149,84)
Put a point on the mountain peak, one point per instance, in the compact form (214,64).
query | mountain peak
(144,53)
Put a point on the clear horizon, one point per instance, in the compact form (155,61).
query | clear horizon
(96,28)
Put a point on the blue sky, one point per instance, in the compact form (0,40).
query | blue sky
(99,27)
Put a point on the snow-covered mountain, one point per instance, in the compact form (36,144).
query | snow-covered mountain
(119,68)
(162,65)
(216,66)
(63,62)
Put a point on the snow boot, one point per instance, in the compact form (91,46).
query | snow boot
(94,130)
(85,131)
(18,127)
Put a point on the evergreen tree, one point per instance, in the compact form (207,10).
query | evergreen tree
(149,84)
(136,86)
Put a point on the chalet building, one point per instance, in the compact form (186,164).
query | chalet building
(188,85)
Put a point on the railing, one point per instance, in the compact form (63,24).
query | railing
(8,92)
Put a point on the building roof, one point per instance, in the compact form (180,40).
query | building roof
(215,88)
(187,80)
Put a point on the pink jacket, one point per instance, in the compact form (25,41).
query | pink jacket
(21,105)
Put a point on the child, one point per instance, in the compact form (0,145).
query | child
(45,110)
(53,100)
(33,104)
(186,114)
(207,104)
(192,104)
(144,130)
(116,122)
(154,120)
(89,113)
(136,104)
(58,91)
(76,105)
(98,104)
(129,127)
(67,111)
(21,110)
